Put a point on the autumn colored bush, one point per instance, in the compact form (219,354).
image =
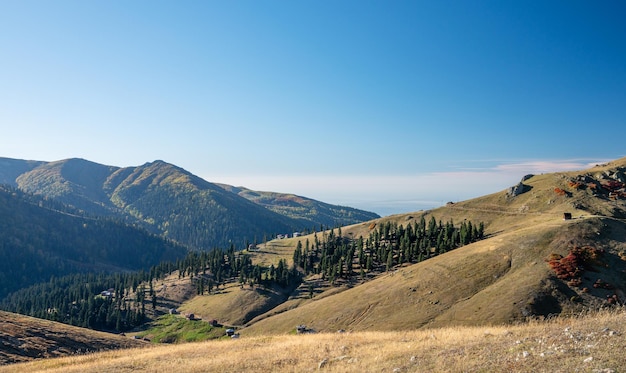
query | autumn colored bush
(566,268)
(612,185)
(560,192)
(575,184)
(587,254)
(572,266)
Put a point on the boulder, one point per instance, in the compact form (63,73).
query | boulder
(518,189)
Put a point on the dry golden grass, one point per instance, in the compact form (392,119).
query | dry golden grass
(590,343)
(272,251)
(23,338)
(232,305)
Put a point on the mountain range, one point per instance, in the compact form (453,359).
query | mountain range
(554,244)
(170,201)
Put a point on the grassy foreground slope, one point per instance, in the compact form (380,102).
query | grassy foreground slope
(592,343)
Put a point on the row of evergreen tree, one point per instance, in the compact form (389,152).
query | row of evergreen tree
(389,245)
(117,302)
(97,301)
(211,269)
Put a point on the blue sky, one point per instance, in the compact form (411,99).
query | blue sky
(390,106)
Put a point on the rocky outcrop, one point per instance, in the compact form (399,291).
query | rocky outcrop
(520,188)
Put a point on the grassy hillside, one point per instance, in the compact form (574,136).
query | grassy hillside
(24,338)
(463,310)
(502,279)
(588,343)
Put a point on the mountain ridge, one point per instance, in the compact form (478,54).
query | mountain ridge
(306,210)
(167,200)
(506,278)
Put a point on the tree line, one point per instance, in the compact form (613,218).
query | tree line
(118,302)
(389,245)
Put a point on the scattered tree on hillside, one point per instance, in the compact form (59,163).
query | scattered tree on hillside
(389,245)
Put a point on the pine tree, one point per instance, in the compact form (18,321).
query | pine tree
(389,260)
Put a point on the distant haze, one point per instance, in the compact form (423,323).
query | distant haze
(392,194)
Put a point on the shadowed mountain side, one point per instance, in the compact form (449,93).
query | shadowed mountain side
(10,169)
(39,240)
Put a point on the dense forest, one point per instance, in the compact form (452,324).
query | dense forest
(173,203)
(41,238)
(389,245)
(118,302)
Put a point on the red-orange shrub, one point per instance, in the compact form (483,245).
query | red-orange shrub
(572,266)
(575,184)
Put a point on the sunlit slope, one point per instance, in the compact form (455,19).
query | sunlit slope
(588,343)
(503,278)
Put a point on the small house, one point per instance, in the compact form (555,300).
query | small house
(567,216)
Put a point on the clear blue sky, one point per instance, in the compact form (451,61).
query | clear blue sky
(385,105)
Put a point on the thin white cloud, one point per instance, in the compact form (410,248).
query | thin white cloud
(402,193)
(548,166)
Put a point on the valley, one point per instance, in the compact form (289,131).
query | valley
(493,293)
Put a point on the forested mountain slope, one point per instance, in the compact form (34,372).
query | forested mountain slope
(167,200)
(308,211)
(40,239)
